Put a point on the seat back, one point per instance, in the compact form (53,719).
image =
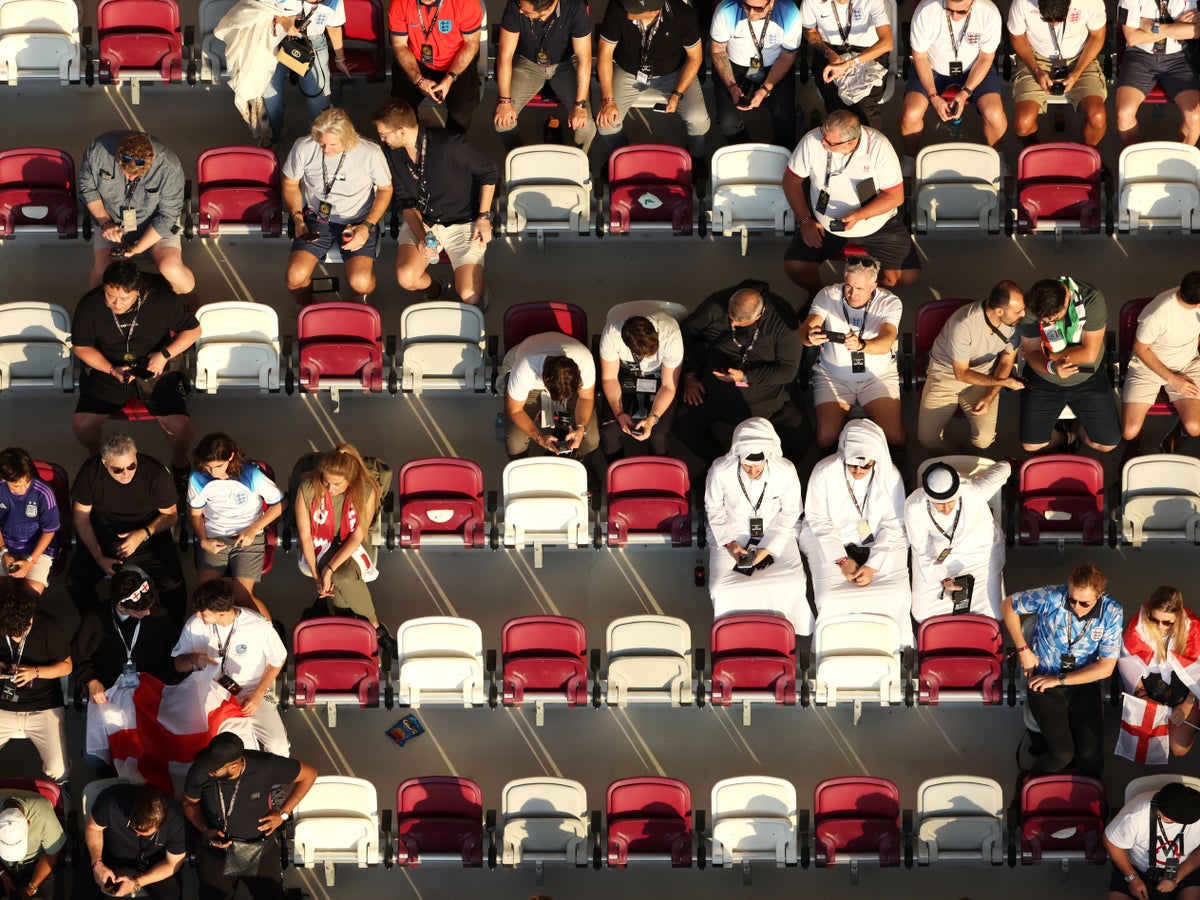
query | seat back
(960,817)
(751,796)
(534,636)
(239,188)
(142,36)
(439,818)
(365,35)
(337,821)
(957,186)
(1145,784)
(960,795)
(649,495)
(960,656)
(333,637)
(753,655)
(1061,496)
(544,656)
(547,164)
(858,816)
(332,795)
(442,346)
(1062,816)
(931,318)
(1158,184)
(336,656)
(35,346)
(212,51)
(56,477)
(522,320)
(546,476)
(44,786)
(1060,183)
(238,346)
(37,192)
(856,796)
(441,497)
(340,341)
(648,635)
(39,39)
(752,164)
(1161,473)
(650,187)
(432,636)
(650,818)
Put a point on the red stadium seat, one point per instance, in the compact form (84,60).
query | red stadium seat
(650,188)
(1060,498)
(340,346)
(857,819)
(1126,333)
(959,658)
(931,317)
(1059,186)
(238,187)
(441,499)
(544,660)
(649,819)
(139,37)
(523,320)
(649,501)
(337,661)
(753,660)
(56,477)
(366,41)
(439,819)
(37,192)
(1062,818)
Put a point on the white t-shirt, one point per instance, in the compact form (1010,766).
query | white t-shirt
(251,642)
(530,355)
(353,180)
(1130,830)
(1133,11)
(670,343)
(1171,329)
(731,27)
(873,158)
(885,308)
(1083,16)
(231,504)
(976,33)
(327,14)
(865,16)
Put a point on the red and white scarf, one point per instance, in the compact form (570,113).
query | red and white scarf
(321,526)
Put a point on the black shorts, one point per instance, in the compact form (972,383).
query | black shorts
(1141,71)
(891,245)
(329,233)
(1093,403)
(989,85)
(102,394)
(1118,885)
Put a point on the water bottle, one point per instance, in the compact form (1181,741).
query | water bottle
(431,245)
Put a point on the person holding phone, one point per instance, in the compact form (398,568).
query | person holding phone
(136,837)
(1062,340)
(436,45)
(564,369)
(1154,845)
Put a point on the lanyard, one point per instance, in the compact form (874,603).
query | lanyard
(302,20)
(1164,14)
(226,812)
(16,657)
(133,640)
(745,492)
(845,165)
(223,649)
(861,510)
(325,179)
(1058,54)
(950,28)
(953,525)
(761,39)
(866,308)
(547,30)
(128,335)
(750,346)
(1007,341)
(1169,848)
(437,8)
(130,186)
(417,171)
(844,32)
(647,38)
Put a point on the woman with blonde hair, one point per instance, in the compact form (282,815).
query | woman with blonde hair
(1164,634)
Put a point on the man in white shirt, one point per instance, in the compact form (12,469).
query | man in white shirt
(641,351)
(953,43)
(849,40)
(1154,54)
(1058,43)
(854,192)
(563,368)
(1166,822)
(1165,355)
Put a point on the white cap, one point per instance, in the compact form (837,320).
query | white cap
(14,836)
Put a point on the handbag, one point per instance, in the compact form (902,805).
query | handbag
(296,52)
(242,858)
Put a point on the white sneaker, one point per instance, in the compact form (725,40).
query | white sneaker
(908,166)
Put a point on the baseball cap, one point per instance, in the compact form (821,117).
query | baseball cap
(14,836)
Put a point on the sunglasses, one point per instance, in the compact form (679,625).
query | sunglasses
(750,7)
(958,12)
(1163,623)
(1081,604)
(828,143)
(136,160)
(119,470)
(867,468)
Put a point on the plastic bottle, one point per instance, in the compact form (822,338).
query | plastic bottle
(431,244)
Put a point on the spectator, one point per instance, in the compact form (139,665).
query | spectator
(562,368)
(34,657)
(321,24)
(130,335)
(31,842)
(1154,33)
(544,42)
(1165,822)
(741,356)
(854,325)
(231,502)
(1058,46)
(754,48)
(440,61)
(845,202)
(136,837)
(246,668)
(650,53)
(640,357)
(841,51)
(946,54)
(1164,635)
(971,359)
(124,508)
(132,187)
(955,542)
(327,206)
(755,536)
(1076,641)
(29,520)
(1062,340)
(444,188)
(1165,356)
(853,536)
(228,797)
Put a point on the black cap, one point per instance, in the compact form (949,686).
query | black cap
(755,457)
(940,482)
(1179,803)
(222,750)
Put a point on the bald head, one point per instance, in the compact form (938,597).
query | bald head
(745,306)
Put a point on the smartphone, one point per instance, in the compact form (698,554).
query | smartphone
(117,252)
(745,102)
(835,337)
(139,372)
(1088,369)
(866,191)
(659,107)
(837,224)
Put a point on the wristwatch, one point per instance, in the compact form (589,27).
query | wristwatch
(371,226)
(166,354)
(581,104)
(1130,877)
(1154,29)
(284,816)
(483,215)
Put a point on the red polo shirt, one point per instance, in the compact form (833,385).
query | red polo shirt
(441,25)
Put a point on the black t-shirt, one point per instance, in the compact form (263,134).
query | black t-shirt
(453,173)
(98,651)
(120,508)
(678,30)
(45,645)
(121,845)
(160,313)
(553,36)
(253,801)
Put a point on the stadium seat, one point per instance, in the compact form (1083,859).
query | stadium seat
(1146,783)
(545,820)
(649,660)
(549,190)
(1059,189)
(650,189)
(238,192)
(958,187)
(857,819)
(648,819)
(857,657)
(753,661)
(747,192)
(1060,498)
(93,789)
(544,660)
(48,789)
(35,347)
(928,323)
(340,347)
(337,823)
(208,61)
(337,663)
(366,41)
(960,659)
(959,818)
(649,502)
(441,662)
(441,502)
(139,40)
(1126,335)
(1062,818)
(439,820)
(1160,499)
(522,320)
(545,502)
(1158,187)
(39,39)
(238,347)
(37,193)
(56,477)
(754,819)
(442,346)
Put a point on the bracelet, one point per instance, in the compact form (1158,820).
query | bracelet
(454,76)
(98,862)
(3,552)
(766,87)
(677,94)
(804,221)
(37,671)
(730,85)
(341,58)
(1021,649)
(608,99)
(504,99)
(1062,678)
(581,104)
(656,417)
(933,95)
(149,533)
(838,562)
(1049,367)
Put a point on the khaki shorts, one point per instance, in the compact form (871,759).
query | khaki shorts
(1026,89)
(455,240)
(171,239)
(1142,385)
(836,390)
(39,572)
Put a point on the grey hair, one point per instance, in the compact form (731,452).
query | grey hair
(843,122)
(117,444)
(337,122)
(746,304)
(867,264)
